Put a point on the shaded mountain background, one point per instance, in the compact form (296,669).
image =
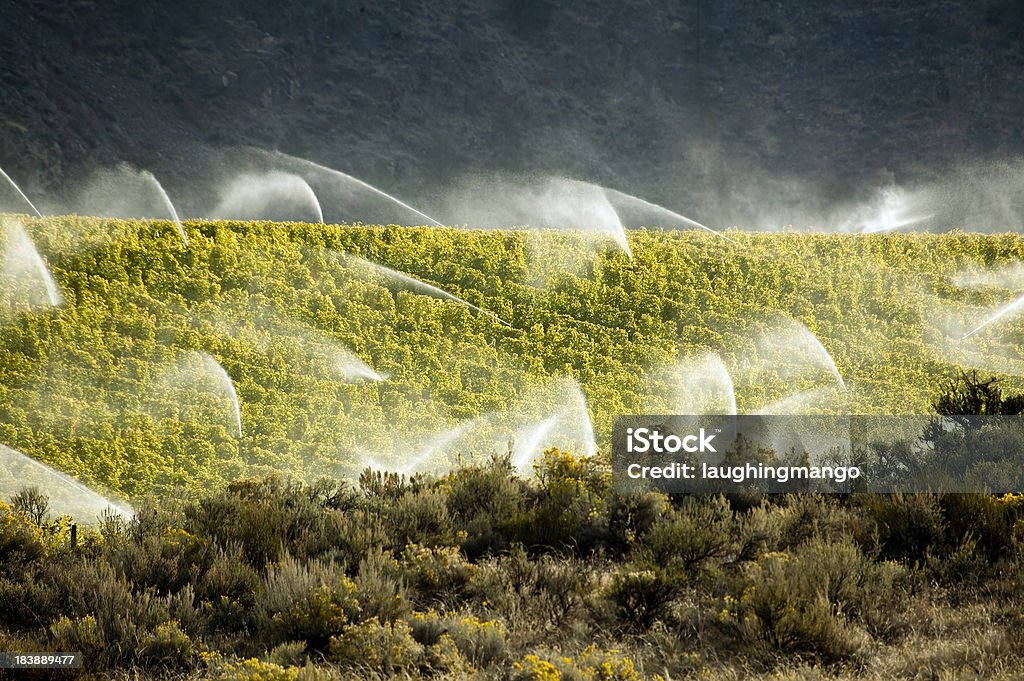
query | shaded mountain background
(707,107)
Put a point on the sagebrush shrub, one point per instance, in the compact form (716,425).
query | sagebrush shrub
(229,588)
(547,590)
(125,618)
(909,526)
(347,536)
(482,642)
(81,634)
(482,501)
(380,588)
(21,542)
(984,519)
(815,601)
(168,646)
(267,517)
(291,654)
(420,517)
(436,575)
(642,597)
(570,507)
(696,533)
(632,515)
(374,646)
(304,602)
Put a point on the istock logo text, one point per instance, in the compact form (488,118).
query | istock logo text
(643,440)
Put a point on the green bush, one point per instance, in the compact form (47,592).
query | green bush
(166,562)
(482,500)
(570,508)
(633,515)
(642,597)
(291,654)
(372,646)
(380,588)
(436,575)
(547,591)
(266,516)
(228,590)
(689,537)
(308,602)
(168,646)
(910,526)
(125,619)
(81,634)
(346,536)
(984,519)
(24,596)
(420,517)
(818,601)
(444,658)
(21,542)
(482,642)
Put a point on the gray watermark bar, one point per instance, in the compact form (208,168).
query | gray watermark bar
(40,660)
(825,454)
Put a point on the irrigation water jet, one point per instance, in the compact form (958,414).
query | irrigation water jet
(551,415)
(251,196)
(126,192)
(411,282)
(797,403)
(788,345)
(556,203)
(530,439)
(311,166)
(653,207)
(436,446)
(350,367)
(700,385)
(150,177)
(892,211)
(1009,309)
(67,496)
(195,369)
(265,329)
(21,193)
(1009,277)
(568,427)
(24,267)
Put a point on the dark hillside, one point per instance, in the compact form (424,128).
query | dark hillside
(692,104)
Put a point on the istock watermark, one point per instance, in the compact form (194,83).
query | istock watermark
(643,440)
(826,454)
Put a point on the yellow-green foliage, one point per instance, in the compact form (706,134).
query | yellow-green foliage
(814,601)
(308,602)
(254,669)
(81,634)
(371,645)
(80,386)
(593,664)
(168,645)
(21,541)
(482,642)
(436,572)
